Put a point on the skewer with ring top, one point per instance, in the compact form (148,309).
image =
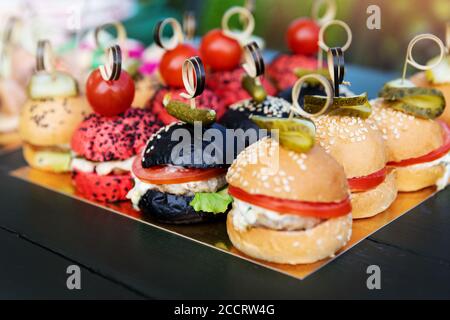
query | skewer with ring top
(409,59)
(322,44)
(176,39)
(110,71)
(121,36)
(45,59)
(189,24)
(253,62)
(248,24)
(193,73)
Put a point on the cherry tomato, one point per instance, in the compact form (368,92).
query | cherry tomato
(172,63)
(173,174)
(303,36)
(302,208)
(109,98)
(433,155)
(367,182)
(219,51)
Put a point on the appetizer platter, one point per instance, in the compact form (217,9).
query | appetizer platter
(332,166)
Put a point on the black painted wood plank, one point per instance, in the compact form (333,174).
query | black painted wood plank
(29,271)
(163,265)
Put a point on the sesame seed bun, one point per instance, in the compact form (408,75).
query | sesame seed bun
(405,136)
(292,247)
(353,142)
(266,168)
(410,179)
(51,122)
(420,80)
(369,203)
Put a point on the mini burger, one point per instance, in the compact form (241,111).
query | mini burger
(344,132)
(295,210)
(106,143)
(170,71)
(180,177)
(417,144)
(221,50)
(50,116)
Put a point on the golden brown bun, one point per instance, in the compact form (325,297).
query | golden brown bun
(420,80)
(406,136)
(313,176)
(369,203)
(292,247)
(52,121)
(409,179)
(34,157)
(145,88)
(353,142)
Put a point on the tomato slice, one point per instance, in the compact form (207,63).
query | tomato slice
(433,155)
(367,182)
(322,210)
(172,174)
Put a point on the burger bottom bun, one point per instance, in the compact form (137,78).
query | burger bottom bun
(173,209)
(411,179)
(47,158)
(369,203)
(292,247)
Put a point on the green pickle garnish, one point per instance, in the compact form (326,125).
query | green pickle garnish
(256,91)
(354,106)
(427,103)
(183,111)
(295,134)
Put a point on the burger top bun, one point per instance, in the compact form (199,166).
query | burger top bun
(52,121)
(266,168)
(353,142)
(420,80)
(406,136)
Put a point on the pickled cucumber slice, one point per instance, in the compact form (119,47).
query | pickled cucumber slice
(256,91)
(428,103)
(422,106)
(354,106)
(182,111)
(299,72)
(295,134)
(441,73)
(45,85)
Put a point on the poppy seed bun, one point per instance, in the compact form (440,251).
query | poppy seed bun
(412,179)
(52,121)
(420,80)
(313,176)
(371,202)
(405,136)
(353,142)
(292,247)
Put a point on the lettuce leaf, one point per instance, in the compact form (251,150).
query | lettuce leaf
(215,202)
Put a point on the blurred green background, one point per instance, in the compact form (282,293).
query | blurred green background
(381,49)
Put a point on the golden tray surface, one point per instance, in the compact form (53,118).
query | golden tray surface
(215,235)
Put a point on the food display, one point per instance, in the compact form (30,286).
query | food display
(50,115)
(189,136)
(221,51)
(170,70)
(106,143)
(417,144)
(182,187)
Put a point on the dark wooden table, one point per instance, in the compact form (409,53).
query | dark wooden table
(42,233)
